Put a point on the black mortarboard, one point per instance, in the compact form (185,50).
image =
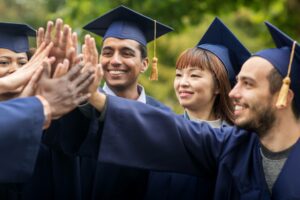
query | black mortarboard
(282,56)
(220,41)
(125,23)
(15,36)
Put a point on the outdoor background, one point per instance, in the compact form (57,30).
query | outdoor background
(189,18)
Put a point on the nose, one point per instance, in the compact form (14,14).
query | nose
(13,67)
(235,93)
(116,59)
(184,81)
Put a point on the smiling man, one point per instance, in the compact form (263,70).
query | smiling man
(123,58)
(257,159)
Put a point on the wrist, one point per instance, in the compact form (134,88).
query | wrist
(47,111)
(97,100)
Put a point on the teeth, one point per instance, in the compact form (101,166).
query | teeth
(116,72)
(238,108)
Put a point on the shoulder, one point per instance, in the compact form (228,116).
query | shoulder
(153,102)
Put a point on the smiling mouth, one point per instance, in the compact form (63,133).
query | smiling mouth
(116,72)
(185,94)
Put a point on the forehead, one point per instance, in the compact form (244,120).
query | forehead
(192,69)
(256,68)
(120,43)
(10,53)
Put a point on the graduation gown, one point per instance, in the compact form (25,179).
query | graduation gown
(176,186)
(229,155)
(67,166)
(115,181)
(21,122)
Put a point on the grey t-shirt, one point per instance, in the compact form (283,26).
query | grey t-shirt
(273,163)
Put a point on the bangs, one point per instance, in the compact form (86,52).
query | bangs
(193,57)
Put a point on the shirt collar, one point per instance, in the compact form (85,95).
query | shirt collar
(141,91)
(214,123)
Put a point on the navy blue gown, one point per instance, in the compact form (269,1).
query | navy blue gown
(229,155)
(67,167)
(21,122)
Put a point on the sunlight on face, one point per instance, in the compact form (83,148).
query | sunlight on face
(254,104)
(195,88)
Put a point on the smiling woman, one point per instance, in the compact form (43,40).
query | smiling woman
(202,86)
(204,76)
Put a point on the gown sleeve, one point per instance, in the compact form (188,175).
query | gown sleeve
(21,122)
(139,135)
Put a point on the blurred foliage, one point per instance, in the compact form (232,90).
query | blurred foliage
(189,18)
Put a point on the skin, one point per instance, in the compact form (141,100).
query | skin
(11,61)
(17,71)
(122,63)
(196,92)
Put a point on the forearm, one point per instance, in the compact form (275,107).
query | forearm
(21,128)
(97,100)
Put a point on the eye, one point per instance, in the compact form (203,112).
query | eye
(106,53)
(195,76)
(21,63)
(4,63)
(178,75)
(127,53)
(248,84)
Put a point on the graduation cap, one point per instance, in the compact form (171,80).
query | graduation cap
(15,36)
(286,60)
(124,23)
(220,41)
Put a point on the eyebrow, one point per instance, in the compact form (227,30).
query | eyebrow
(5,57)
(243,78)
(18,57)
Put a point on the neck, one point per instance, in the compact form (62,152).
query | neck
(283,134)
(128,93)
(202,114)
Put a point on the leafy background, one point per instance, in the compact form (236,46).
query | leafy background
(189,18)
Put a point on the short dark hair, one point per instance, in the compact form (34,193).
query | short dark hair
(143,50)
(275,82)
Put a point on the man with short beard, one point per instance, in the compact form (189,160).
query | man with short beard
(257,159)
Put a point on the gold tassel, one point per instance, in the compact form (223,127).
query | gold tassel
(282,97)
(154,69)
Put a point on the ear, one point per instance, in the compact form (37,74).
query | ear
(217,89)
(289,99)
(145,65)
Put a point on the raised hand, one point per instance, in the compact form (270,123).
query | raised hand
(66,92)
(91,58)
(30,88)
(21,76)
(64,41)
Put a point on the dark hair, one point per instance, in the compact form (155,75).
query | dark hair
(275,82)
(30,53)
(143,50)
(196,57)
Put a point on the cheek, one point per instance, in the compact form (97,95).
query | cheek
(3,71)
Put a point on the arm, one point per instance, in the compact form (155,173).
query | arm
(21,125)
(139,135)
